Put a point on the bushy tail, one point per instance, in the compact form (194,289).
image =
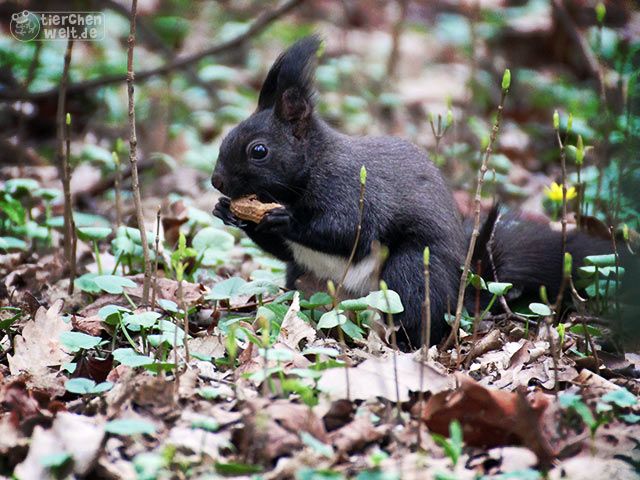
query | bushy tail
(528,254)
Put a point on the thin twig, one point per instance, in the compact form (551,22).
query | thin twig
(68,199)
(563,165)
(154,292)
(554,353)
(356,241)
(63,164)
(335,294)
(257,27)
(582,46)
(426,331)
(394,341)
(334,301)
(186,320)
(476,222)
(396,35)
(590,343)
(566,275)
(617,257)
(118,186)
(133,156)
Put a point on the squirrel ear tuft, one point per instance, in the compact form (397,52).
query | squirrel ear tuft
(288,87)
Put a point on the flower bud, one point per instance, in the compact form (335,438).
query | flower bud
(426,256)
(449,118)
(556,120)
(363,175)
(579,151)
(506,80)
(543,294)
(601,11)
(568,264)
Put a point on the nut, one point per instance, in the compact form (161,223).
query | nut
(251,209)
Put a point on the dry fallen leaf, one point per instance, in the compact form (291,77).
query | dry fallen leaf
(591,468)
(294,329)
(375,378)
(39,348)
(78,435)
(90,325)
(355,435)
(271,428)
(211,345)
(491,417)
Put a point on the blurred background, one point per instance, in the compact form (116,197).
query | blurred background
(390,67)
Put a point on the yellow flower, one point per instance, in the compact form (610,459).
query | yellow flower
(554,193)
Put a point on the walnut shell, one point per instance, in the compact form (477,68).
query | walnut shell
(251,209)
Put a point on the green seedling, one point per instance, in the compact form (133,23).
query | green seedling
(453,445)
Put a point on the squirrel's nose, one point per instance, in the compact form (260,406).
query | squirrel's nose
(216,181)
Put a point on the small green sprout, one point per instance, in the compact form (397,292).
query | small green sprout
(452,446)
(568,264)
(506,80)
(601,12)
(363,175)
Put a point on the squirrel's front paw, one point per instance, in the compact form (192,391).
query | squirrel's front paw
(277,221)
(222,210)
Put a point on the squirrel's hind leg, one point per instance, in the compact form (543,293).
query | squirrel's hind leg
(404,273)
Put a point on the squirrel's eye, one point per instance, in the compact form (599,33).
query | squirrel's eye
(258,151)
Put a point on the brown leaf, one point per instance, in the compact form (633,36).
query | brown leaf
(271,430)
(173,217)
(488,342)
(211,345)
(340,413)
(375,377)
(97,369)
(39,348)
(297,418)
(168,290)
(357,434)
(293,329)
(490,417)
(90,325)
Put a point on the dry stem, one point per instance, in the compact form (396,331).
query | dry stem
(392,62)
(133,156)
(426,335)
(355,242)
(154,292)
(476,221)
(63,165)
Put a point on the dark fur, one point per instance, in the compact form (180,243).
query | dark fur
(313,171)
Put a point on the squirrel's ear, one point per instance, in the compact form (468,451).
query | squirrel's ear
(288,87)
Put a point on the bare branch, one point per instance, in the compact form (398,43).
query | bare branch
(257,27)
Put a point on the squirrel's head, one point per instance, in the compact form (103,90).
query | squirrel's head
(265,154)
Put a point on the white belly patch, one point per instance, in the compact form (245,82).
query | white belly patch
(360,280)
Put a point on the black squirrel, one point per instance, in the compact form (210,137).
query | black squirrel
(284,152)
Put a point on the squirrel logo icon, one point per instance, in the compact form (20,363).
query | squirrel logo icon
(25,26)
